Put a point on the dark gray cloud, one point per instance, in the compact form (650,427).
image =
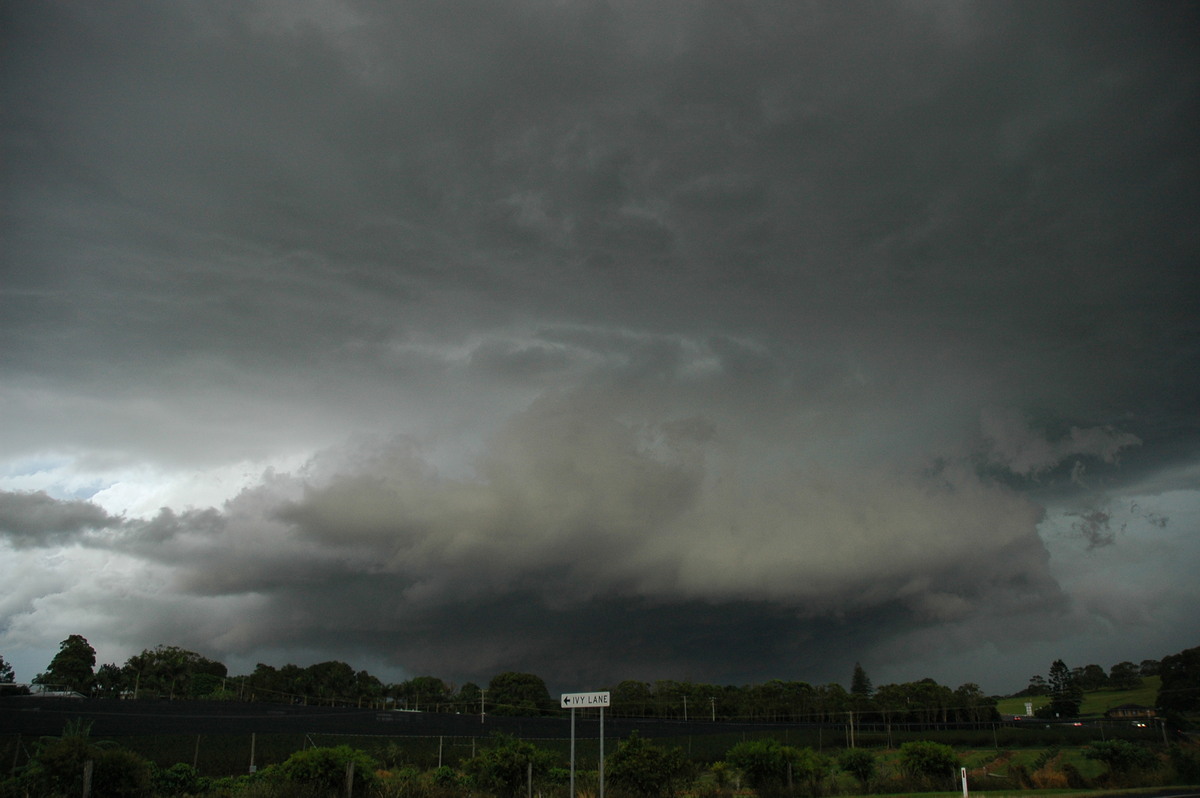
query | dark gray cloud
(36,519)
(810,327)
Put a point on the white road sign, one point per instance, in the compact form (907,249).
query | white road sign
(584,700)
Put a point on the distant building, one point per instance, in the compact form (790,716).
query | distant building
(1130,712)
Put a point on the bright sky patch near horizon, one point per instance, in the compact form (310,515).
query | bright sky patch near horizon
(602,340)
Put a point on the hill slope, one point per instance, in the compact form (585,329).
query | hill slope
(1096,702)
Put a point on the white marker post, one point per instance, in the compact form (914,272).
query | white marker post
(586,701)
(964,778)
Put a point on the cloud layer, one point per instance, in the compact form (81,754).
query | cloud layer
(708,340)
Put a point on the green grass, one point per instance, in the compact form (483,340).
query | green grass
(1095,703)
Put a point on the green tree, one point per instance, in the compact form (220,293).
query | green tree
(171,672)
(831,702)
(932,764)
(1091,677)
(331,682)
(1065,693)
(71,668)
(860,684)
(1037,686)
(6,672)
(111,681)
(974,706)
(427,693)
(1179,690)
(643,769)
(468,698)
(1124,676)
(503,768)
(517,694)
(631,698)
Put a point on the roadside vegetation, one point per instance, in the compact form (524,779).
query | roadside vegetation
(507,767)
(897,739)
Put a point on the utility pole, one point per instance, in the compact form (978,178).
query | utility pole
(482,713)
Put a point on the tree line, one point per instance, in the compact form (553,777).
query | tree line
(172,672)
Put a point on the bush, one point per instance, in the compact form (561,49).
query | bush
(325,768)
(810,769)
(1185,759)
(446,776)
(931,764)
(179,779)
(859,763)
(1122,757)
(767,764)
(57,766)
(762,762)
(643,769)
(504,768)
(119,773)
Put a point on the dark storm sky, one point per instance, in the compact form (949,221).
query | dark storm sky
(712,340)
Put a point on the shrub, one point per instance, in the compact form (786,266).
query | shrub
(929,763)
(810,769)
(762,762)
(504,767)
(1122,757)
(766,764)
(325,768)
(1185,759)
(119,773)
(179,779)
(859,763)
(643,769)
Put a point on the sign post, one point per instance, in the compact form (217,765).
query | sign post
(599,701)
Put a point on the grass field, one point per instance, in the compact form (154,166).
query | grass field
(1095,703)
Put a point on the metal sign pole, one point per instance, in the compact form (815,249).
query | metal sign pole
(574,700)
(601,752)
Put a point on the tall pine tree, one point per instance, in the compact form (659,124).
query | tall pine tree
(1065,693)
(860,685)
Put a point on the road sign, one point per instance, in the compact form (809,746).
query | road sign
(585,700)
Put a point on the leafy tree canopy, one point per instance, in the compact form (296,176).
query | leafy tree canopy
(71,668)
(512,693)
(1066,695)
(860,684)
(1180,687)
(1124,676)
(170,671)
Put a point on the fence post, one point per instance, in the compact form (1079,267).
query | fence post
(87,778)
(350,779)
